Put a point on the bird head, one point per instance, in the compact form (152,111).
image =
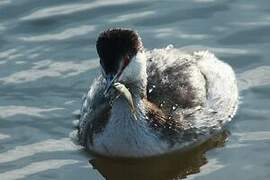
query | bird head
(120,53)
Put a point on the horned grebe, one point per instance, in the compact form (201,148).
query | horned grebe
(147,103)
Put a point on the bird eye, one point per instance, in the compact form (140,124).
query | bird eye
(126,61)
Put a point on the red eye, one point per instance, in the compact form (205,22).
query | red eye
(126,61)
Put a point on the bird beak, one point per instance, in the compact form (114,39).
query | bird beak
(110,79)
(108,87)
(113,78)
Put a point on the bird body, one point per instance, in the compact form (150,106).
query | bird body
(180,99)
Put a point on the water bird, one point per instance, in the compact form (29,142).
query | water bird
(151,102)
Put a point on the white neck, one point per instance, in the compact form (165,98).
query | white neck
(134,78)
(124,134)
(135,73)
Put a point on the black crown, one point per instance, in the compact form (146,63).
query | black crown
(113,44)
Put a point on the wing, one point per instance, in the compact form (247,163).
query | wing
(196,93)
(95,112)
(221,103)
(222,92)
(174,80)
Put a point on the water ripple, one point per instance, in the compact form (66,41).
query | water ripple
(72,8)
(8,111)
(132,16)
(4,2)
(48,68)
(8,53)
(254,136)
(212,166)
(4,136)
(255,35)
(259,76)
(176,33)
(36,167)
(50,145)
(66,34)
(48,59)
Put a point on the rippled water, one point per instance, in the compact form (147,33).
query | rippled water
(48,59)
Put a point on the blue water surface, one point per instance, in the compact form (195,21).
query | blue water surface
(48,59)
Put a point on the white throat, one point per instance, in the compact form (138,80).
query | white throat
(135,72)
(124,134)
(134,77)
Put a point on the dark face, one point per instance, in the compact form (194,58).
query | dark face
(116,48)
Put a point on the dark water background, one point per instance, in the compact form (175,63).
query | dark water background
(48,59)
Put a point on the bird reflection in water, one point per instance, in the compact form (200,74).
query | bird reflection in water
(166,167)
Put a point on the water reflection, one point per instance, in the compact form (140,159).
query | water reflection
(174,166)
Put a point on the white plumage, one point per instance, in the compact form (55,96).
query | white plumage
(120,135)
